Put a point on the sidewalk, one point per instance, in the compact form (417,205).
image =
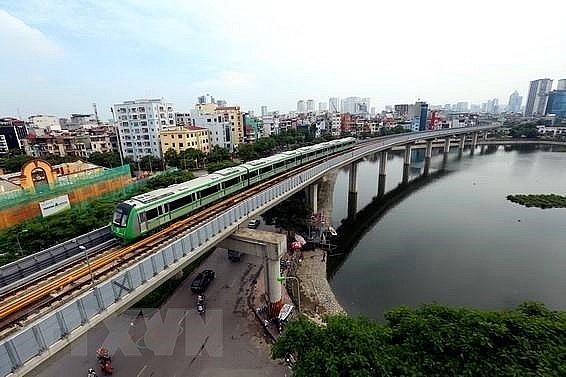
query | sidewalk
(317,298)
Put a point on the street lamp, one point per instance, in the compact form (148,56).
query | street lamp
(18,239)
(88,264)
(282,278)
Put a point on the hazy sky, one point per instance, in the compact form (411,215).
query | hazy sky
(60,56)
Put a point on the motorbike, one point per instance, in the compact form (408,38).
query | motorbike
(104,361)
(200,305)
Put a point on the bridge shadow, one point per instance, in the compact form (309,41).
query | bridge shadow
(352,230)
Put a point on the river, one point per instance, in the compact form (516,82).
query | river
(458,241)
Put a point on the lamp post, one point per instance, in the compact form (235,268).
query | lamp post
(282,278)
(18,240)
(83,248)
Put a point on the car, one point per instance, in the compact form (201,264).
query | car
(234,255)
(202,280)
(254,224)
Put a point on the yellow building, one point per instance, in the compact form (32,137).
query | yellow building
(205,108)
(236,119)
(184,137)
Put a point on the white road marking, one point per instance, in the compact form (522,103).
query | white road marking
(141,371)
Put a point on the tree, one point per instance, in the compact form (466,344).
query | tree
(191,158)
(171,158)
(151,163)
(218,154)
(247,152)
(106,159)
(14,163)
(214,166)
(291,215)
(434,340)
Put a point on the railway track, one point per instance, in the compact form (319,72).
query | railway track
(26,303)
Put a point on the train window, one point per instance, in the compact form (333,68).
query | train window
(266,169)
(253,173)
(151,214)
(232,182)
(120,217)
(279,164)
(210,190)
(181,202)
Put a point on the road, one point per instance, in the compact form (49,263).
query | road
(176,341)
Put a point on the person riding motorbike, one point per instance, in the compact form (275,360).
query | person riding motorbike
(91,373)
(200,303)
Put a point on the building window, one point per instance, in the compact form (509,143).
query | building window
(181,145)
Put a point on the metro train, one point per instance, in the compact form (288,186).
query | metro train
(144,213)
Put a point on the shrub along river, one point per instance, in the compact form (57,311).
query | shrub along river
(456,239)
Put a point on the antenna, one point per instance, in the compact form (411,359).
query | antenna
(96,114)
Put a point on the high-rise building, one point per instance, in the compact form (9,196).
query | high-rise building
(322,107)
(310,106)
(515,102)
(538,97)
(263,111)
(47,122)
(561,84)
(233,115)
(356,105)
(334,104)
(139,123)
(492,106)
(461,107)
(12,133)
(557,103)
(301,107)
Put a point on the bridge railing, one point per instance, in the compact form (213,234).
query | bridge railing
(27,347)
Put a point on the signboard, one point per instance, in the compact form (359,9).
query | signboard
(55,205)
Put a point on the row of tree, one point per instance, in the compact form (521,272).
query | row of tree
(434,340)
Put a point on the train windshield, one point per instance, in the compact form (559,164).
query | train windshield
(121,214)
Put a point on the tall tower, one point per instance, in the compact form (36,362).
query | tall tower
(515,102)
(301,106)
(538,97)
(334,104)
(561,84)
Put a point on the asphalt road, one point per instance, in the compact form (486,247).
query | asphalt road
(177,341)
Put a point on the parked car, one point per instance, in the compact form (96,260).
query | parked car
(234,255)
(254,224)
(202,280)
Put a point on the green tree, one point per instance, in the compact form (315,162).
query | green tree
(218,154)
(106,159)
(14,163)
(291,215)
(434,340)
(247,152)
(191,158)
(151,163)
(214,166)
(171,158)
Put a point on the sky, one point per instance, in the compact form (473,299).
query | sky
(61,56)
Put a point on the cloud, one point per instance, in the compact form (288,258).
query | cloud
(20,41)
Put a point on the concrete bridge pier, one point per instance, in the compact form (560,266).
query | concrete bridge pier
(428,156)
(461,145)
(407,163)
(312,196)
(474,143)
(268,246)
(353,190)
(382,175)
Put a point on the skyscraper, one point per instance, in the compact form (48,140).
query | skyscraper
(263,111)
(538,97)
(561,84)
(301,106)
(334,104)
(310,106)
(515,102)
(321,106)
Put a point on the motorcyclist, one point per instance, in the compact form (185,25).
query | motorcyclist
(91,373)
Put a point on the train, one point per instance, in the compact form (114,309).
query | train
(144,213)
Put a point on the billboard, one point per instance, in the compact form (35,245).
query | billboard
(55,205)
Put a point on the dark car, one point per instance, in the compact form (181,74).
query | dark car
(253,224)
(202,280)
(234,255)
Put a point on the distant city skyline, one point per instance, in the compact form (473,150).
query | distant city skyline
(60,57)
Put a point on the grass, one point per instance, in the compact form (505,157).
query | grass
(540,200)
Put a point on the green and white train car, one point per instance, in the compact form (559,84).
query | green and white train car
(144,213)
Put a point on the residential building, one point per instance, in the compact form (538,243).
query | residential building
(270,123)
(183,137)
(334,105)
(48,122)
(301,106)
(253,128)
(561,84)
(402,110)
(310,106)
(12,132)
(418,114)
(139,123)
(538,97)
(356,105)
(235,117)
(322,107)
(492,106)
(461,107)
(515,101)
(219,128)
(183,119)
(557,103)
(263,111)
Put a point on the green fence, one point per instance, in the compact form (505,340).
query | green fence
(63,186)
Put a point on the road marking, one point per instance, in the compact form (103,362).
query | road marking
(182,319)
(141,371)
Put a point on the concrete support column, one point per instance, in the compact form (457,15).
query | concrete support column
(273,286)
(382,175)
(406,163)
(447,145)
(314,197)
(462,142)
(353,190)
(428,156)
(474,142)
